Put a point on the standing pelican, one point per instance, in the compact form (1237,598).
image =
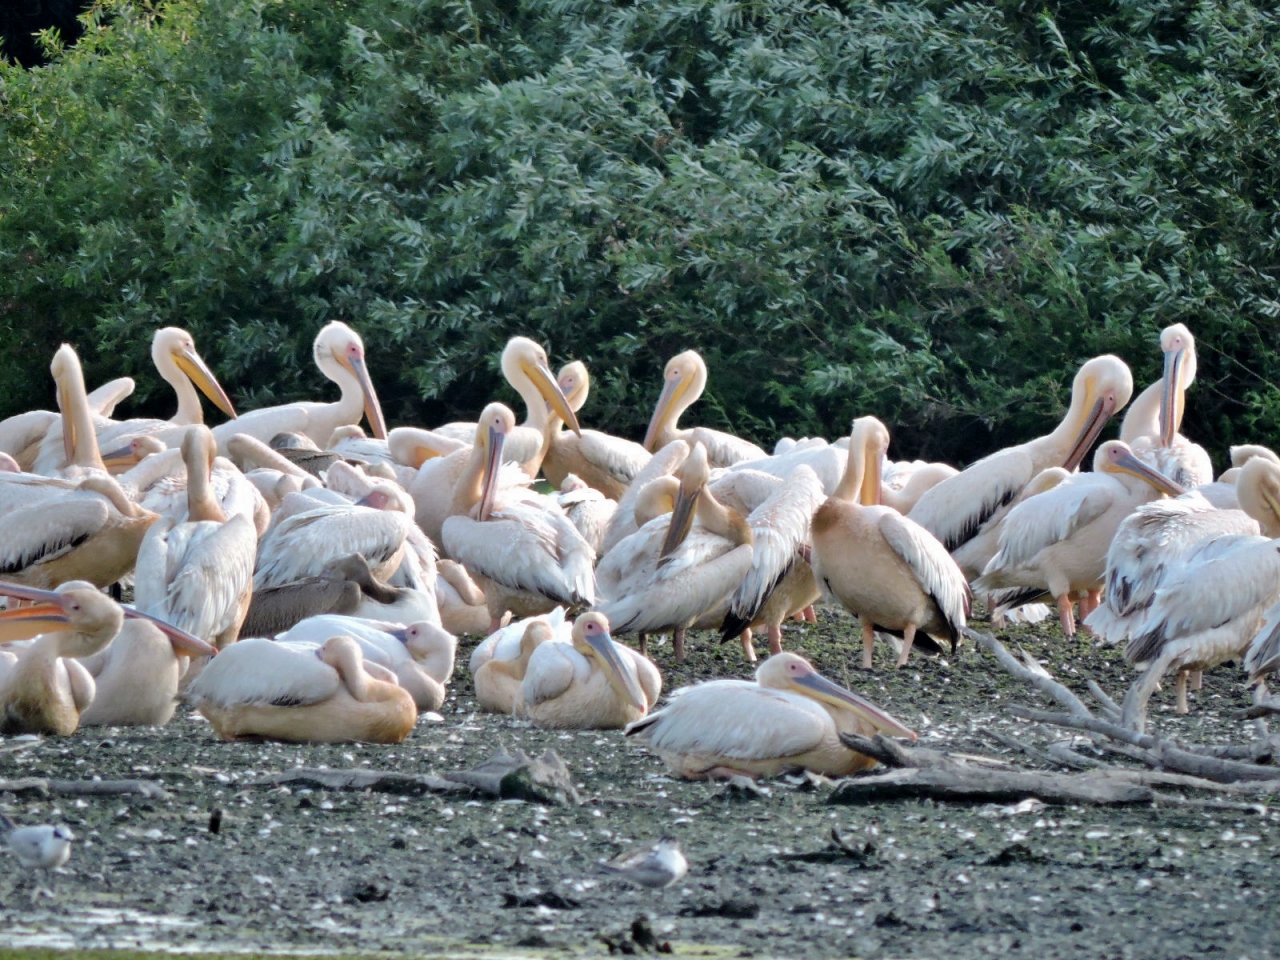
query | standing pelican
(198,574)
(1056,542)
(339,353)
(881,565)
(261,690)
(964,512)
(791,717)
(1151,425)
(684,379)
(590,683)
(605,462)
(526,554)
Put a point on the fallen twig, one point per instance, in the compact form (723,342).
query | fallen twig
(1040,680)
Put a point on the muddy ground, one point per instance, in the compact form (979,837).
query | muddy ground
(303,871)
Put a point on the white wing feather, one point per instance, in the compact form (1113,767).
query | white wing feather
(258,671)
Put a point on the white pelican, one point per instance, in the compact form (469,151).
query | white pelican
(905,482)
(521,547)
(460,600)
(824,459)
(198,574)
(1056,543)
(883,566)
(589,510)
(790,717)
(504,643)
(669,573)
(261,690)
(524,364)
(339,353)
(964,512)
(590,683)
(780,581)
(1205,603)
(174,353)
(684,379)
(623,523)
(498,678)
(1152,422)
(20,435)
(46,690)
(604,462)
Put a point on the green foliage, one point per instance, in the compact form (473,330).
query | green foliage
(925,210)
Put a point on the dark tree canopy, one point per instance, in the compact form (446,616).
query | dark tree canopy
(22,21)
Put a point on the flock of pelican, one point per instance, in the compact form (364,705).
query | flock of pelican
(295,578)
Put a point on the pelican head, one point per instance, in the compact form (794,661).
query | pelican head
(591,639)
(432,646)
(80,608)
(788,671)
(338,343)
(694,473)
(1115,456)
(871,437)
(574,383)
(132,452)
(1258,489)
(69,379)
(683,381)
(496,422)
(524,364)
(173,346)
(1101,387)
(1179,348)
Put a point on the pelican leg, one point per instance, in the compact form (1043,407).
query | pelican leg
(1089,603)
(1133,712)
(677,644)
(1183,676)
(748,648)
(810,615)
(868,642)
(1065,615)
(775,639)
(644,644)
(1197,679)
(908,638)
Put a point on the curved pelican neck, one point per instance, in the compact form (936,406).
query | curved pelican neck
(850,486)
(350,404)
(79,417)
(1143,416)
(716,518)
(189,410)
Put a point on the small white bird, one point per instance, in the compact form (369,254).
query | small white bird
(660,865)
(43,847)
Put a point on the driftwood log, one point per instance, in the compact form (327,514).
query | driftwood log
(42,787)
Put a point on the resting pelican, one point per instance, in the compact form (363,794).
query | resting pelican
(339,589)
(261,690)
(669,573)
(524,551)
(339,353)
(524,364)
(684,379)
(460,600)
(590,683)
(965,511)
(1151,425)
(605,462)
(198,574)
(174,353)
(1207,601)
(1056,543)
(790,718)
(905,482)
(883,566)
(45,690)
(498,679)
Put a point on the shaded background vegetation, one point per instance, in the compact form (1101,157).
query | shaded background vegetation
(927,210)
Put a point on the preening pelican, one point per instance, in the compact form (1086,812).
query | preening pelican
(1056,543)
(198,575)
(261,690)
(602,461)
(524,364)
(20,435)
(590,683)
(883,566)
(684,379)
(623,523)
(521,547)
(670,573)
(790,717)
(1152,423)
(589,510)
(339,353)
(498,678)
(964,512)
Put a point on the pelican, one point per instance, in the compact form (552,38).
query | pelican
(524,364)
(590,683)
(1152,422)
(623,523)
(879,564)
(684,379)
(339,353)
(790,717)
(261,690)
(589,510)
(1208,602)
(46,690)
(460,600)
(905,482)
(174,353)
(20,435)
(668,574)
(964,512)
(780,581)
(339,589)
(605,462)
(1056,542)
(498,678)
(198,574)
(526,554)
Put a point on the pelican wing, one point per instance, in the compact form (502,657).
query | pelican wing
(504,644)
(931,565)
(724,449)
(1048,518)
(1263,656)
(52,530)
(621,459)
(736,720)
(262,672)
(958,508)
(301,545)
(825,461)
(552,668)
